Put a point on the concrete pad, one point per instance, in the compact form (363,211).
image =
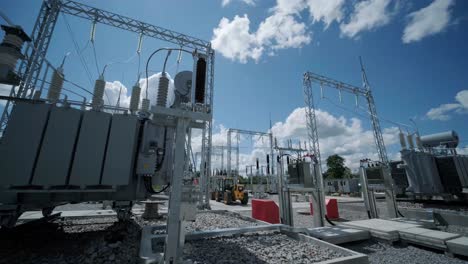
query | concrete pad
(32,215)
(427,237)
(338,234)
(458,246)
(422,222)
(384,229)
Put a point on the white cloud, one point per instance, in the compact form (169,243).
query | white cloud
(248,2)
(281,31)
(428,21)
(326,10)
(367,15)
(235,40)
(4,90)
(444,112)
(462,98)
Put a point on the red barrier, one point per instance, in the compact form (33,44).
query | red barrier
(331,207)
(265,210)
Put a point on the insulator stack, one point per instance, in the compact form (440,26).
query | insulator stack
(56,85)
(135,98)
(402,140)
(200,81)
(410,141)
(10,52)
(162,90)
(418,142)
(98,94)
(268,163)
(145,105)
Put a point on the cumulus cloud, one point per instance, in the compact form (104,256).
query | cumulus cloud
(444,112)
(326,11)
(235,40)
(367,15)
(428,21)
(282,29)
(248,2)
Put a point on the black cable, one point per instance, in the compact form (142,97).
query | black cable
(329,221)
(398,211)
(149,186)
(158,167)
(151,56)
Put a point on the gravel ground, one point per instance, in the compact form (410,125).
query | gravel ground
(381,252)
(211,221)
(101,240)
(256,248)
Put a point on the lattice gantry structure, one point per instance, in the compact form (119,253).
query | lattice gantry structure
(324,82)
(55,150)
(238,133)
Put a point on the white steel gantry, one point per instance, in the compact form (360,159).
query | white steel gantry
(239,132)
(365,92)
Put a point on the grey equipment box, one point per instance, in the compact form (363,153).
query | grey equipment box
(299,173)
(21,142)
(58,145)
(90,149)
(121,150)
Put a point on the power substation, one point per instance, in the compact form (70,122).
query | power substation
(86,180)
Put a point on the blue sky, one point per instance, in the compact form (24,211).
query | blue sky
(414,52)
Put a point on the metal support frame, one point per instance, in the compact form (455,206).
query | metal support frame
(219,151)
(175,227)
(285,190)
(318,196)
(365,92)
(246,132)
(368,194)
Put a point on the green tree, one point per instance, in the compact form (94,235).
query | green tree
(336,168)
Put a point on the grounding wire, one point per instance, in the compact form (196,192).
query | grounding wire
(95,57)
(362,115)
(83,61)
(65,89)
(77,49)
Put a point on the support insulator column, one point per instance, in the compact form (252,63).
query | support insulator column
(56,85)
(98,95)
(135,98)
(163,88)
(10,52)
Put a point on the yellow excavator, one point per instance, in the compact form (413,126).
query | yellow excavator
(230,192)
